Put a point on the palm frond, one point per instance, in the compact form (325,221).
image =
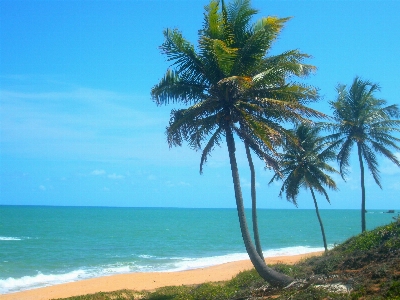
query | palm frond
(392,111)
(290,63)
(344,156)
(269,135)
(185,123)
(304,163)
(254,45)
(380,148)
(258,146)
(372,163)
(385,139)
(173,89)
(213,21)
(224,55)
(239,14)
(212,142)
(184,57)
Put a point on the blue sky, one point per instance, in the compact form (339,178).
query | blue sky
(78,126)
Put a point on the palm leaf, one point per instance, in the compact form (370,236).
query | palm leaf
(173,89)
(212,142)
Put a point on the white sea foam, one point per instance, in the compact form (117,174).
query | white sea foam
(288,251)
(146,256)
(113,270)
(10,285)
(202,262)
(9,238)
(181,264)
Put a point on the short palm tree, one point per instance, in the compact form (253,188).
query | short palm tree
(365,121)
(232,87)
(304,164)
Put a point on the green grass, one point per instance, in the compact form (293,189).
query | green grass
(116,295)
(370,261)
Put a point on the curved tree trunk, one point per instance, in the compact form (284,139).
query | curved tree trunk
(254,202)
(319,219)
(363,223)
(271,276)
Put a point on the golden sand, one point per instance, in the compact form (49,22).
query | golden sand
(146,281)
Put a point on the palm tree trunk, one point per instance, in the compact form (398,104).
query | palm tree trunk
(319,219)
(254,202)
(363,223)
(271,276)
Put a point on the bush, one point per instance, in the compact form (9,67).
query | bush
(394,290)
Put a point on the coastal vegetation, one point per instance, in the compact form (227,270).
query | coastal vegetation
(304,163)
(365,266)
(232,87)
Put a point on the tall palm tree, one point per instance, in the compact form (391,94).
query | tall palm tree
(233,88)
(254,202)
(304,164)
(365,121)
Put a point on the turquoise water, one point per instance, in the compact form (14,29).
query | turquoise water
(42,246)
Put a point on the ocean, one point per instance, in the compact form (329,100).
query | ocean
(45,245)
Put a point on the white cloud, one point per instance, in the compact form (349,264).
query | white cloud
(115,176)
(169,184)
(98,172)
(175,184)
(75,121)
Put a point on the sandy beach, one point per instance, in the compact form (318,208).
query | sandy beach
(146,281)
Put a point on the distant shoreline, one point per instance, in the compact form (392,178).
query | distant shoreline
(147,281)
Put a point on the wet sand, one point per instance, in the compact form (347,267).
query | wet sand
(146,281)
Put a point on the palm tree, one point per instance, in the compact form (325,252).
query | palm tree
(304,164)
(254,202)
(233,88)
(366,121)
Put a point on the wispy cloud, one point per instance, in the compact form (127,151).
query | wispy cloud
(69,122)
(115,176)
(98,172)
(151,177)
(177,183)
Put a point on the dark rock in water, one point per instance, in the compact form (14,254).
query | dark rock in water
(390,211)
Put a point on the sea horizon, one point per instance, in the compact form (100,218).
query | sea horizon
(183,207)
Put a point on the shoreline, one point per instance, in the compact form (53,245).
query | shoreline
(147,281)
